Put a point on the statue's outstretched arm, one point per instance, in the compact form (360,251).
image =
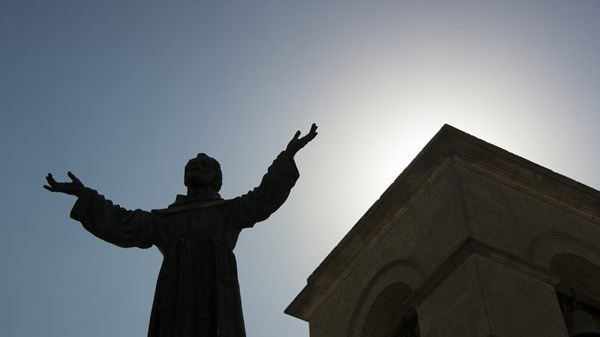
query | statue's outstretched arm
(257,205)
(104,219)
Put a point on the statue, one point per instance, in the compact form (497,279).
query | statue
(197,291)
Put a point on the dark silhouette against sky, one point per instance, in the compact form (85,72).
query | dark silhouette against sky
(124,92)
(197,292)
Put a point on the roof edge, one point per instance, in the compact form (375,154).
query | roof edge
(449,143)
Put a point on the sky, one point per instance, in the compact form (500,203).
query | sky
(124,92)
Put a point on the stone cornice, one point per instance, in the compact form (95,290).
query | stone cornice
(468,248)
(449,146)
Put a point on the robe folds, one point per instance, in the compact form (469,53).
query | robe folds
(197,291)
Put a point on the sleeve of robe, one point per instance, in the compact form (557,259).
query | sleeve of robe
(113,223)
(257,205)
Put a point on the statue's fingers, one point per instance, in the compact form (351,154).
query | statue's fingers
(297,135)
(74,178)
(306,139)
(310,136)
(313,127)
(51,180)
(51,189)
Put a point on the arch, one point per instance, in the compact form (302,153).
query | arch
(577,273)
(546,246)
(576,262)
(385,315)
(395,280)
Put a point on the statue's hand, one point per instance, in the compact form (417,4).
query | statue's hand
(297,143)
(73,188)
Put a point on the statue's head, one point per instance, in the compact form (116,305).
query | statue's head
(203,171)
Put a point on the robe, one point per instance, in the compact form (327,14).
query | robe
(197,291)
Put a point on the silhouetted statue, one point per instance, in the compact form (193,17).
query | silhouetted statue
(197,292)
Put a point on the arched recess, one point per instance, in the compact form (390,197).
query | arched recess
(575,262)
(381,305)
(577,273)
(545,247)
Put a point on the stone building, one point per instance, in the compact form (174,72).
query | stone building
(470,240)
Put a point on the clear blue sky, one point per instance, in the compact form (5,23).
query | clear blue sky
(124,92)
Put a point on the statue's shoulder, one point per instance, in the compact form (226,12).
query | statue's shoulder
(176,208)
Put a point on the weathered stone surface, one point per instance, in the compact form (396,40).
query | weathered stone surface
(477,237)
(483,297)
